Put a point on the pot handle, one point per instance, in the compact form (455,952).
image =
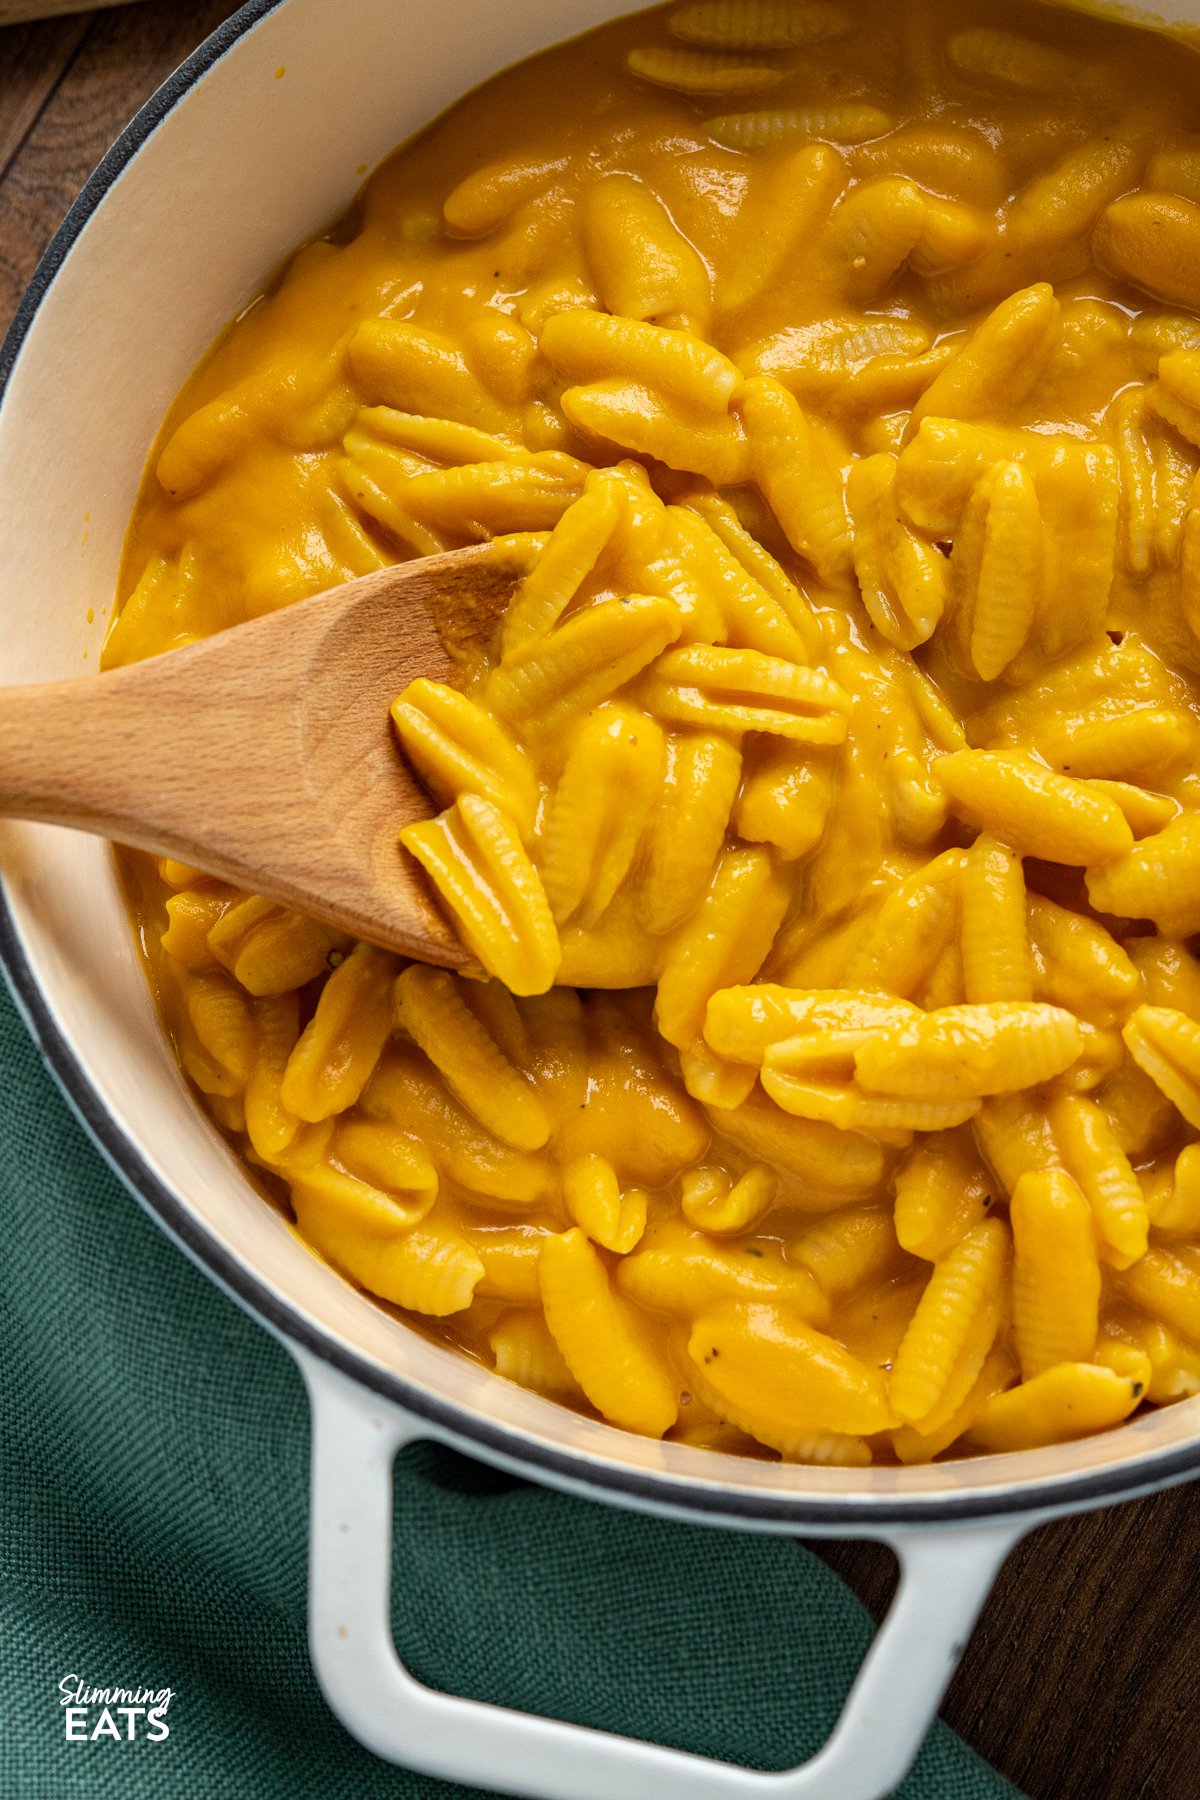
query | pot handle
(946,1573)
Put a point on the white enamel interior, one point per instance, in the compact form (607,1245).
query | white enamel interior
(243,168)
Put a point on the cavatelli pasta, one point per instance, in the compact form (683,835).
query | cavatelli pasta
(996,960)
(771,1365)
(1036,811)
(457,749)
(604,1342)
(962,1289)
(1056,1274)
(611,779)
(942,1192)
(901,575)
(819,814)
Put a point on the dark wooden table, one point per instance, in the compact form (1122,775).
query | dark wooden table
(1083,1679)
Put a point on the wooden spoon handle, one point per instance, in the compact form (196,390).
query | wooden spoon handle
(76,753)
(142,755)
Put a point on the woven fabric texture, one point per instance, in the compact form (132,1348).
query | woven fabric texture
(152,1532)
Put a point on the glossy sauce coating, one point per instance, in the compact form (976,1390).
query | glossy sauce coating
(837,368)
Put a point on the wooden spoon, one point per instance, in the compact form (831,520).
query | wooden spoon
(265,754)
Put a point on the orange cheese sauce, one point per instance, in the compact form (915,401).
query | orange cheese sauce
(883,323)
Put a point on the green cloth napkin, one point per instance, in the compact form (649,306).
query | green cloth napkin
(152,1532)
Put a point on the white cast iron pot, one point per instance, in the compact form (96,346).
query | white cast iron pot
(220,175)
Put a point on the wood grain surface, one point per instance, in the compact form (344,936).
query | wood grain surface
(1082,1681)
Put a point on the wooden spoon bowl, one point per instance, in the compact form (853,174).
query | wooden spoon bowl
(265,755)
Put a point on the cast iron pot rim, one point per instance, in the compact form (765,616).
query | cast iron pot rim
(1091,1488)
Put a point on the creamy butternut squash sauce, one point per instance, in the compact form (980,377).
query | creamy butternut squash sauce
(824,818)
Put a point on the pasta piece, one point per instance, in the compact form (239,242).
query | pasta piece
(510,1256)
(605,1344)
(611,780)
(820,361)
(576,545)
(474,856)
(846,1104)
(702,71)
(1166,1044)
(686,829)
(744,690)
(996,959)
(963,1285)
(270,1128)
(969,1052)
(1173,1365)
(997,569)
(763,569)
(484,500)
(612,1219)
(1169,974)
(942,1193)
(271,949)
(683,1272)
(1056,1274)
(384,1157)
(1069,1401)
(418,371)
(791,464)
(910,931)
(432,1007)
(1166,1283)
(622,412)
(830,1166)
(1135,465)
(505,357)
(191,915)
(1138,746)
(785,798)
(745,613)
(1159,879)
(955,161)
(744,1022)
(713,1202)
(428,1269)
(883,224)
(1147,814)
(591,346)
(1175,396)
(1179,1213)
(1091,1151)
(1077,964)
(902,577)
(1037,812)
(1064,203)
(851,124)
(457,748)
(204,444)
(584,660)
(1153,242)
(849,1250)
(780,219)
(341,1044)
(430,440)
(524,1351)
(918,1446)
(643,266)
(484,199)
(757,24)
(1001,362)
(777,1370)
(723,943)
(1013,61)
